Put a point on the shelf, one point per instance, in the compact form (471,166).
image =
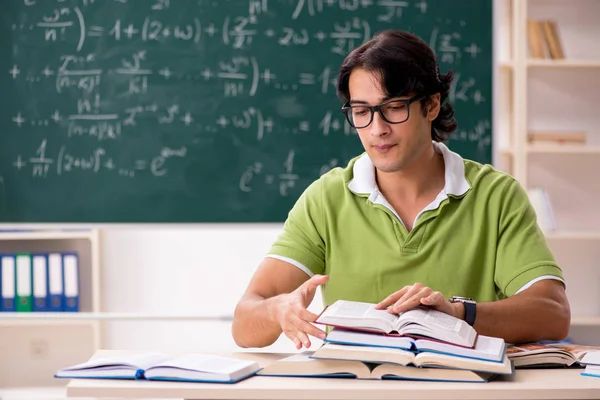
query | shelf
(563,149)
(46,235)
(573,235)
(566,63)
(34,318)
(585,321)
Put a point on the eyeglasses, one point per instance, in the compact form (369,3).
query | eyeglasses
(394,112)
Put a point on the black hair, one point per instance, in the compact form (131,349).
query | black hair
(408,66)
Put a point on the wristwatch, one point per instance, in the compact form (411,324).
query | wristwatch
(470,308)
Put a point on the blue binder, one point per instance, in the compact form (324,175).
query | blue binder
(41,295)
(55,282)
(8,276)
(71,282)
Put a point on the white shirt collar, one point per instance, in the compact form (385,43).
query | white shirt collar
(364,182)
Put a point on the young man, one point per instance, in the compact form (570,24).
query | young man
(409,222)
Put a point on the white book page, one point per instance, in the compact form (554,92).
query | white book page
(486,347)
(593,357)
(433,318)
(358,310)
(138,361)
(206,363)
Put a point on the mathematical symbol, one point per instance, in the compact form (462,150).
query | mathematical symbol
(47,71)
(211,30)
(335,125)
(422,5)
(130,31)
(472,50)
(206,74)
(14,71)
(320,36)
(269,179)
(166,32)
(304,126)
(269,33)
(222,121)
(19,164)
(477,97)
(56,116)
(19,120)
(187,118)
(109,164)
(330,2)
(267,76)
(268,124)
(166,72)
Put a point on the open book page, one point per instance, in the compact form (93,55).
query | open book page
(591,370)
(202,367)
(436,324)
(303,365)
(113,366)
(355,314)
(486,348)
(581,353)
(364,353)
(392,371)
(429,359)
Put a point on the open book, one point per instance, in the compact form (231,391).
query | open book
(303,365)
(419,322)
(552,355)
(486,348)
(155,366)
(383,355)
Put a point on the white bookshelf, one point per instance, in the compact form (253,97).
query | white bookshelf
(555,95)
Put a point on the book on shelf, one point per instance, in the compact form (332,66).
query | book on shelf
(486,348)
(420,322)
(161,367)
(536,39)
(552,355)
(544,39)
(556,138)
(306,366)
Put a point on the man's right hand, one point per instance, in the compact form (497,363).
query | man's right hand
(290,312)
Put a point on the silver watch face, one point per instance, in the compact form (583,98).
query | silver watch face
(455,299)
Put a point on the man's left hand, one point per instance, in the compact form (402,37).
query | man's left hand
(416,295)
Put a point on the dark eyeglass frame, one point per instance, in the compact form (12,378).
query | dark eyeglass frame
(377,108)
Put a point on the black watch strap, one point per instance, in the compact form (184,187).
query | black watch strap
(470,312)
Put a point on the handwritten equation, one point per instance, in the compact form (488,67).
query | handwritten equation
(180,76)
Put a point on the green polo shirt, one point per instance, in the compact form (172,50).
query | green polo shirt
(479,238)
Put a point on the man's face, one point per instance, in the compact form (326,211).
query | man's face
(391,147)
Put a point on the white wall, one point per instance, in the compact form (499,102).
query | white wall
(198,269)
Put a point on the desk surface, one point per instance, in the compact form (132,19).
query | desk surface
(525,384)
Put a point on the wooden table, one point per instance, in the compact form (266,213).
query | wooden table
(525,384)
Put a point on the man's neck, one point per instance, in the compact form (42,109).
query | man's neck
(419,179)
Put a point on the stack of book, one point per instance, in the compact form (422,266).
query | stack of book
(420,344)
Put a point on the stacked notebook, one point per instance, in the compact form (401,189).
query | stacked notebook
(421,344)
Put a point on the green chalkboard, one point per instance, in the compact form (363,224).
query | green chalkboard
(202,110)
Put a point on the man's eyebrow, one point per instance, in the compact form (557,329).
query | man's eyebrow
(381,100)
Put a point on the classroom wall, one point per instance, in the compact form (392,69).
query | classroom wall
(200,270)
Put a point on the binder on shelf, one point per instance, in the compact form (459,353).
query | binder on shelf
(71,282)
(24,298)
(8,277)
(55,282)
(41,298)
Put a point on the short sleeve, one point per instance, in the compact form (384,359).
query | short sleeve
(301,242)
(522,252)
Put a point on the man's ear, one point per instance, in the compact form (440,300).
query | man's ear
(433,106)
